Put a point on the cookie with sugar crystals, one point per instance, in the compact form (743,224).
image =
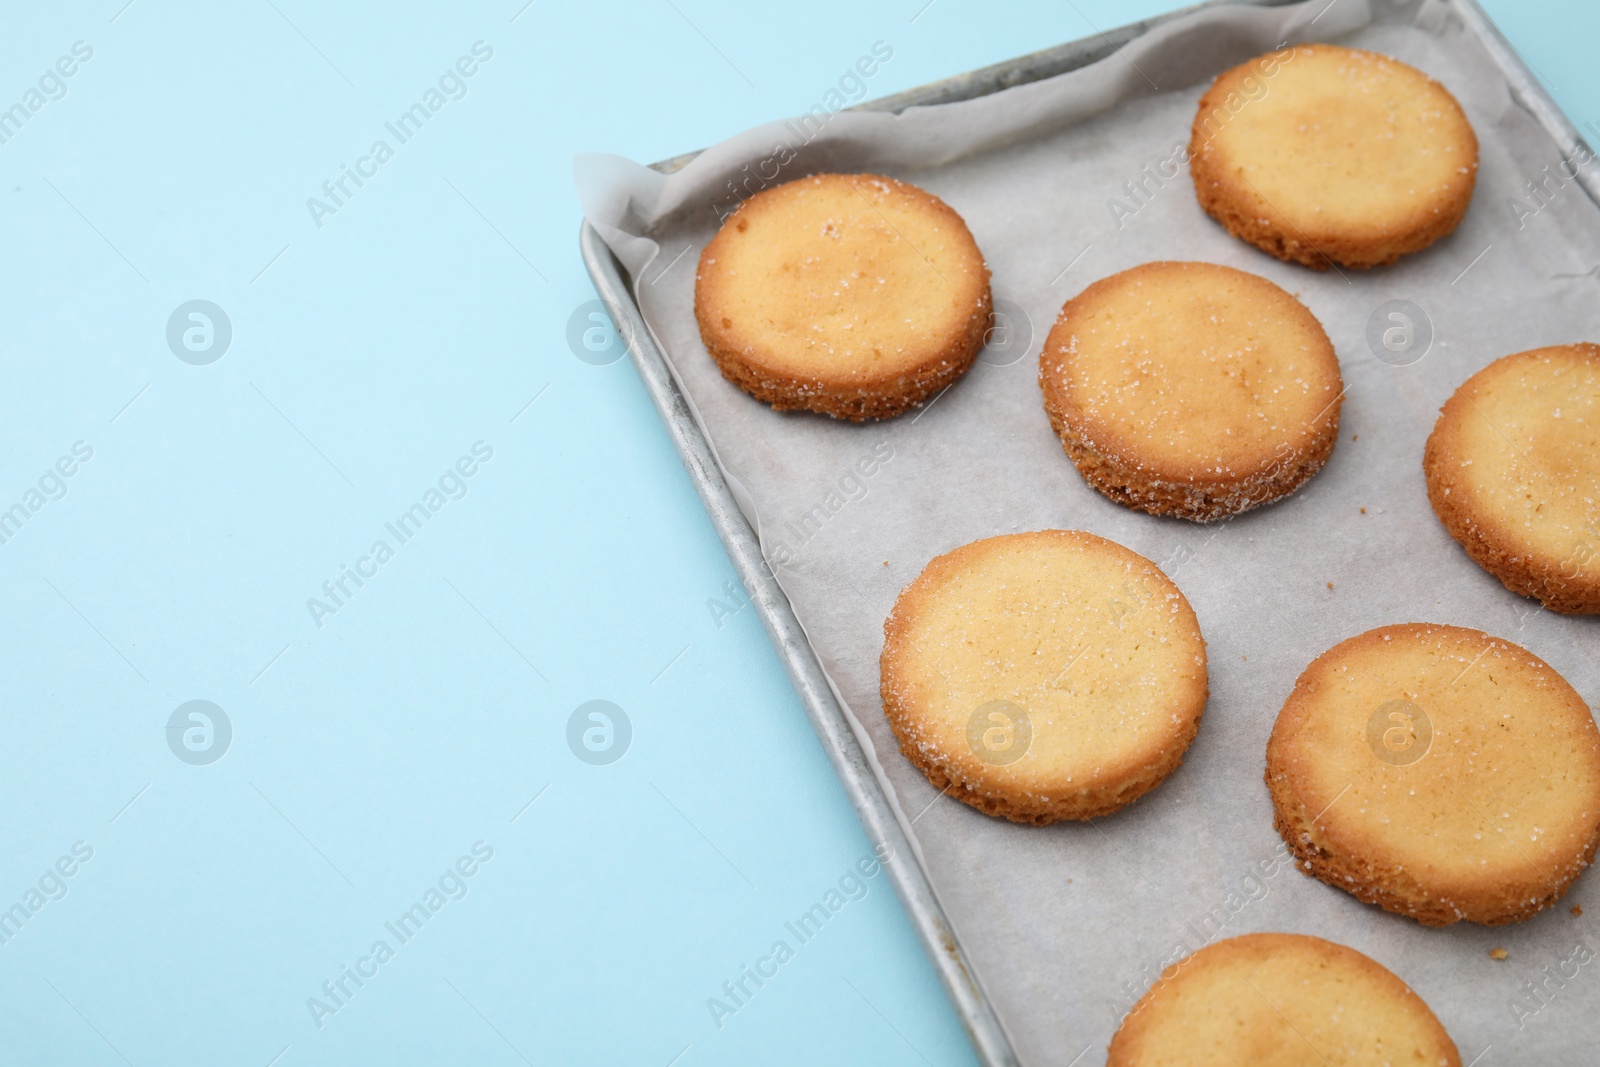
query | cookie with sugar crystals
(1513,472)
(1320,154)
(1043,676)
(1280,1000)
(852,295)
(1439,773)
(1191,389)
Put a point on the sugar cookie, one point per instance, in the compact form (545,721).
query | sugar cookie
(1280,1000)
(1439,773)
(1043,676)
(1318,153)
(1191,389)
(1513,470)
(852,295)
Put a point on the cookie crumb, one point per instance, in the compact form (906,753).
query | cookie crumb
(1354,438)
(1363,511)
(1330,585)
(1498,954)
(1577,911)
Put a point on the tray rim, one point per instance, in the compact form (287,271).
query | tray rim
(988,1036)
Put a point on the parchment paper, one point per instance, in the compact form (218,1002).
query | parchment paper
(1066,926)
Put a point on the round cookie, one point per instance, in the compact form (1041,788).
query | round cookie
(1439,773)
(1191,389)
(1043,676)
(1318,153)
(851,295)
(1280,1000)
(1513,470)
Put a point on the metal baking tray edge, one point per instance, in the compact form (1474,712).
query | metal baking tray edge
(989,1039)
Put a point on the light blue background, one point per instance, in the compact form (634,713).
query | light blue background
(368,354)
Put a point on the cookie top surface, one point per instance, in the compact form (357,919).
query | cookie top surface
(1456,761)
(1090,641)
(1346,150)
(1516,453)
(842,277)
(1193,372)
(1281,1000)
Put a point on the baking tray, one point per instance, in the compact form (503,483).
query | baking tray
(828,719)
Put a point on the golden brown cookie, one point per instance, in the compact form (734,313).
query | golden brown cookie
(1318,153)
(1043,676)
(1191,389)
(852,295)
(1280,1000)
(1439,773)
(1513,469)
